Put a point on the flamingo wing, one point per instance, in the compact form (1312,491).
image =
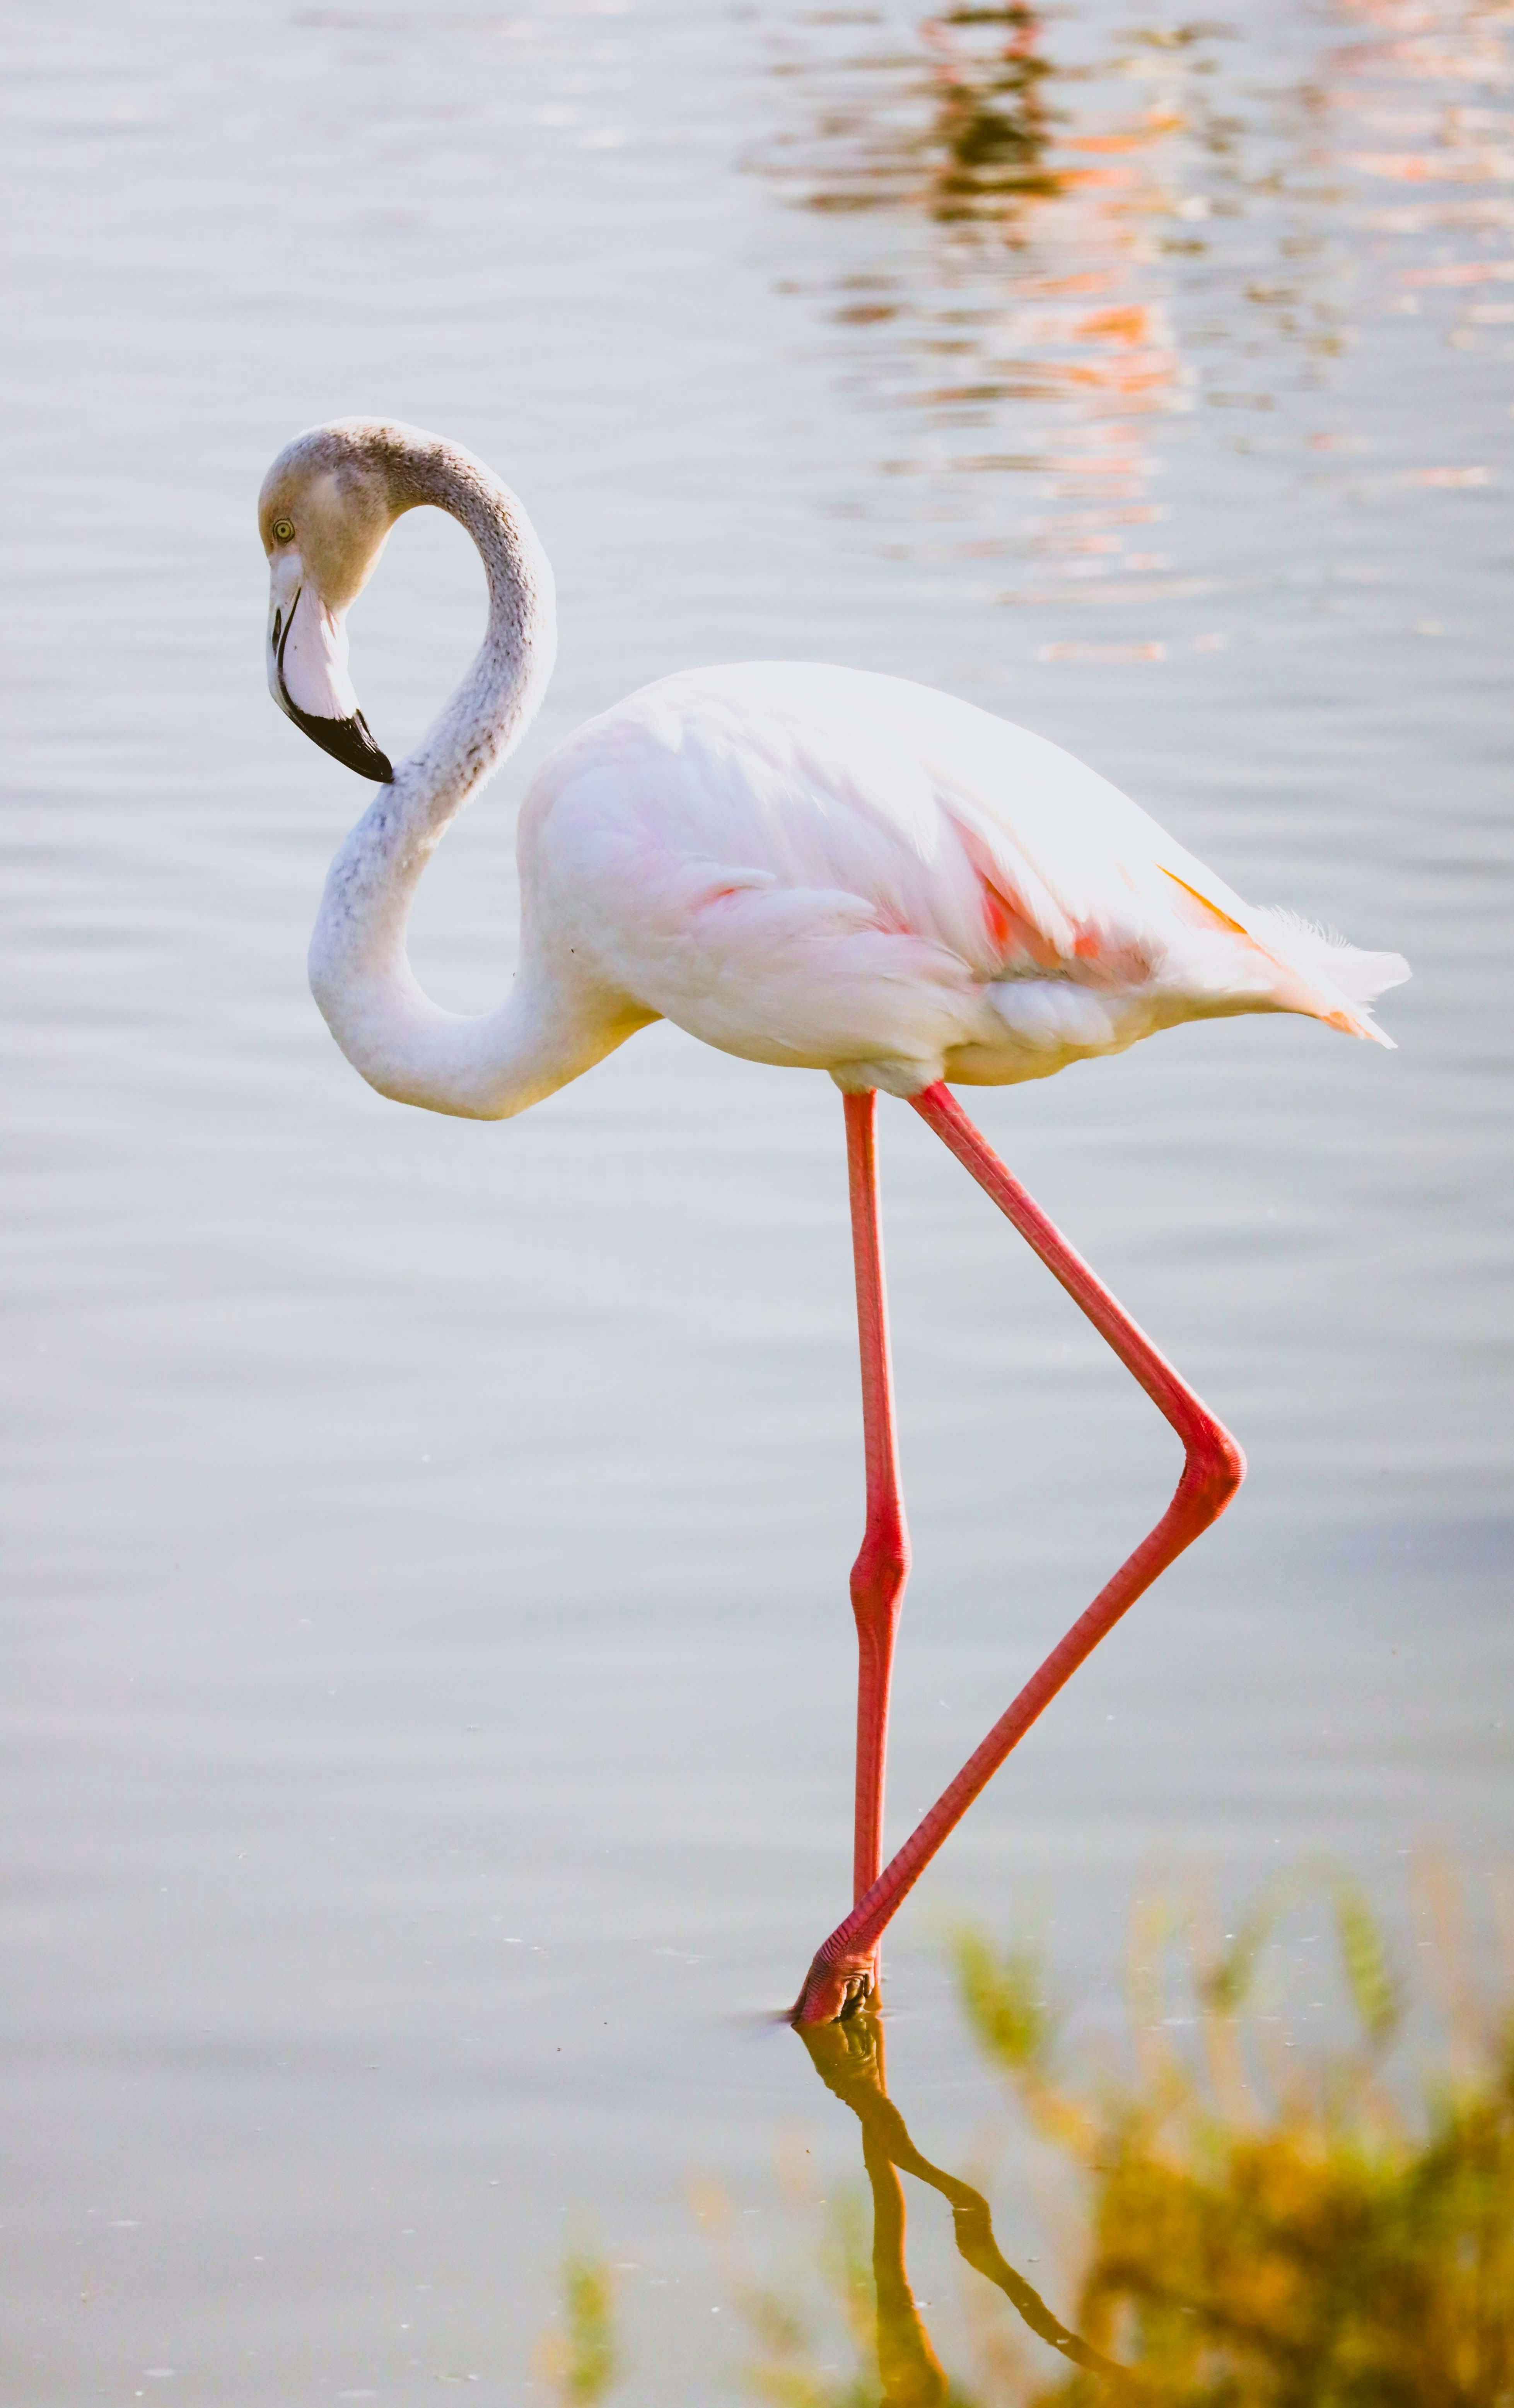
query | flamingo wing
(800,810)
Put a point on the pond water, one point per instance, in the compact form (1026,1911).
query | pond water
(428,1667)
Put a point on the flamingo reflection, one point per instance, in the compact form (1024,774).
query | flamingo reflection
(849,2060)
(1030,335)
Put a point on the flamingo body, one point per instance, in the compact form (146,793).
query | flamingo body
(829,870)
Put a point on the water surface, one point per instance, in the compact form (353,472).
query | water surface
(428,1679)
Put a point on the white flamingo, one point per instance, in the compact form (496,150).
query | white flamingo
(799,864)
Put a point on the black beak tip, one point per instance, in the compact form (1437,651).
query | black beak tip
(347,741)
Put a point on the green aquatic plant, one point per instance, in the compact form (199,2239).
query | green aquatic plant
(1310,2265)
(581,2358)
(1290,2236)
(1002,1995)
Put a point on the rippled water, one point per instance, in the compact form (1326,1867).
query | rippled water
(428,1676)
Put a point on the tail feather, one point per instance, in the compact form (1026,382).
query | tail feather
(1360,976)
(1321,974)
(1334,969)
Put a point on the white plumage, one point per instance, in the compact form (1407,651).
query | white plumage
(817,866)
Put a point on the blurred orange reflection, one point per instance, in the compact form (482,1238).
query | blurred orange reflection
(1051,241)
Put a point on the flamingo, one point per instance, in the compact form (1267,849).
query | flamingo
(799,864)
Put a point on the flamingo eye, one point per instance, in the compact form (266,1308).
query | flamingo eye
(283,530)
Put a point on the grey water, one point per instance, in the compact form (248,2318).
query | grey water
(427,1689)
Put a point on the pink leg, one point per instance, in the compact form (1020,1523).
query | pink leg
(882,1567)
(1213,1470)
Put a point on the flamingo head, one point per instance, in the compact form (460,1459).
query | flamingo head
(323,514)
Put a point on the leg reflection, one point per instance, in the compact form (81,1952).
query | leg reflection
(910,2372)
(849,2058)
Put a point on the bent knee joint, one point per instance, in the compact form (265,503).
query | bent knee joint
(1214,1468)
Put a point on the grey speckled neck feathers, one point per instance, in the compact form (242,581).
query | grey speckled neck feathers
(502,691)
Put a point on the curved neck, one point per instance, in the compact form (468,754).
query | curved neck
(387,1027)
(497,700)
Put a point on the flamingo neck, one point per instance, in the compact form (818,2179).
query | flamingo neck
(409,1047)
(498,698)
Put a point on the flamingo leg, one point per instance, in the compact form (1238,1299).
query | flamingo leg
(840,1975)
(882,1565)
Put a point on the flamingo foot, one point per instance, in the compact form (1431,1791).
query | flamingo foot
(834,1992)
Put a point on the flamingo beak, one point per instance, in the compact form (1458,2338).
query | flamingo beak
(307,674)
